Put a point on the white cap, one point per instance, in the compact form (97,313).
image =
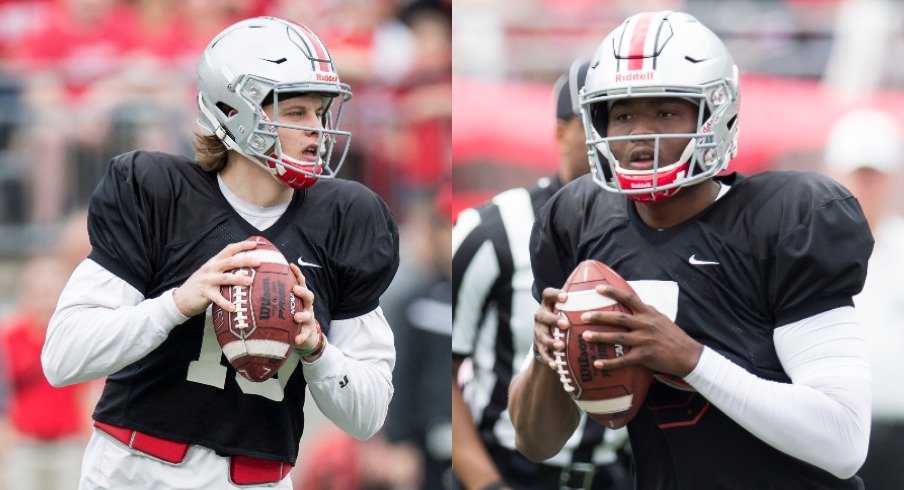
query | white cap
(865,138)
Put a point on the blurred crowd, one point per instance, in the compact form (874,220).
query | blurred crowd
(812,60)
(84,80)
(801,38)
(822,89)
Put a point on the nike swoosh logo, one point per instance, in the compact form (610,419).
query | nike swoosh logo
(307,264)
(695,261)
(279,61)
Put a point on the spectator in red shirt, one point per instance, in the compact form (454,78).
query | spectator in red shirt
(78,42)
(73,45)
(336,461)
(47,426)
(425,96)
(175,32)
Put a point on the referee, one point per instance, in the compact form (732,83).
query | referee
(493,324)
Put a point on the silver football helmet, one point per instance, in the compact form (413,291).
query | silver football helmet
(258,62)
(662,54)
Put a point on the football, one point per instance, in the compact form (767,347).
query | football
(612,397)
(258,336)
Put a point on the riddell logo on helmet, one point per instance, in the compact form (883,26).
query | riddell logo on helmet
(634,76)
(325,77)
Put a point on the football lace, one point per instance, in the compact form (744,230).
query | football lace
(564,374)
(238,298)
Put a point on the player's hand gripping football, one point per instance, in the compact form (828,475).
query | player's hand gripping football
(545,320)
(310,334)
(655,341)
(203,287)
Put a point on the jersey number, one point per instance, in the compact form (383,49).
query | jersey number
(681,406)
(209,370)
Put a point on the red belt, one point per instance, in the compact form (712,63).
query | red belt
(243,470)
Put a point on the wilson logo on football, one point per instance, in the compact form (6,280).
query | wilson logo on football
(610,396)
(257,336)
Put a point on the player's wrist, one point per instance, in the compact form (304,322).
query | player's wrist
(180,306)
(495,485)
(698,354)
(313,353)
(538,358)
(695,352)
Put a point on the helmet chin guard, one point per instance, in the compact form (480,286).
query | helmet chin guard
(658,178)
(263,61)
(662,54)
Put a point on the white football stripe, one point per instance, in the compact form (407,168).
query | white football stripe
(256,347)
(612,405)
(273,256)
(585,300)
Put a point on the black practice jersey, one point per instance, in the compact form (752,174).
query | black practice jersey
(777,248)
(506,309)
(154,220)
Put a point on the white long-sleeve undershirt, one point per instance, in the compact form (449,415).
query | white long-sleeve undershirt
(823,416)
(102,324)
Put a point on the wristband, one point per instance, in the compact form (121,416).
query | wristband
(317,348)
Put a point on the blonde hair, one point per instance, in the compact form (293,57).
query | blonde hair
(210,152)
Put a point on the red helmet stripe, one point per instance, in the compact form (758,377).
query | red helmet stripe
(319,49)
(638,38)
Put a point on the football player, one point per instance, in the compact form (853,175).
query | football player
(744,283)
(865,152)
(491,326)
(165,231)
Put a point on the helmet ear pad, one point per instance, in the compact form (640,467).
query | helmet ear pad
(599,118)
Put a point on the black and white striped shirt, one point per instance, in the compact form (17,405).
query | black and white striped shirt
(493,313)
